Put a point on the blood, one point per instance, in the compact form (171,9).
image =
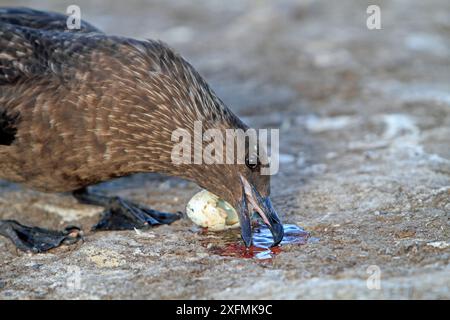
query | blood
(262,240)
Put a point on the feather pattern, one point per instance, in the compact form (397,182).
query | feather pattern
(93,107)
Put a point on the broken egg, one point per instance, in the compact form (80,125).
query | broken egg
(207,210)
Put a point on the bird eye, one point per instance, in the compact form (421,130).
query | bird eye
(252,162)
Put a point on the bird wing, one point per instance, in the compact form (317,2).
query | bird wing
(30,42)
(27,51)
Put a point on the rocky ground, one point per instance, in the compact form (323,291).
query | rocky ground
(365,158)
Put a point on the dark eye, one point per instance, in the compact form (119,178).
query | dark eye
(252,162)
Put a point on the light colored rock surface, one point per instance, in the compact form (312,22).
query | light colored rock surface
(365,135)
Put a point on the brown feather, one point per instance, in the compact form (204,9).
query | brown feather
(94,107)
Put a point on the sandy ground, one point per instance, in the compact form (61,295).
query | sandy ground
(365,165)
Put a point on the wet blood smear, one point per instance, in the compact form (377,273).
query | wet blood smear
(262,240)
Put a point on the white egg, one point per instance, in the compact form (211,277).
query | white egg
(207,210)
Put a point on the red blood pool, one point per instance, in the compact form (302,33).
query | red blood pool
(262,240)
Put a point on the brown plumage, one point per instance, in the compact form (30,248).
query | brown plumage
(80,107)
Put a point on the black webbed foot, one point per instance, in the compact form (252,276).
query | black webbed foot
(125,215)
(122,214)
(34,239)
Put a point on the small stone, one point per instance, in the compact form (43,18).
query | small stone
(439,244)
(405,234)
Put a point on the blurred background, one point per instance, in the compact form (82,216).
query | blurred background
(365,157)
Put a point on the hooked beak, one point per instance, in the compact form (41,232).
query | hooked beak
(263,206)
